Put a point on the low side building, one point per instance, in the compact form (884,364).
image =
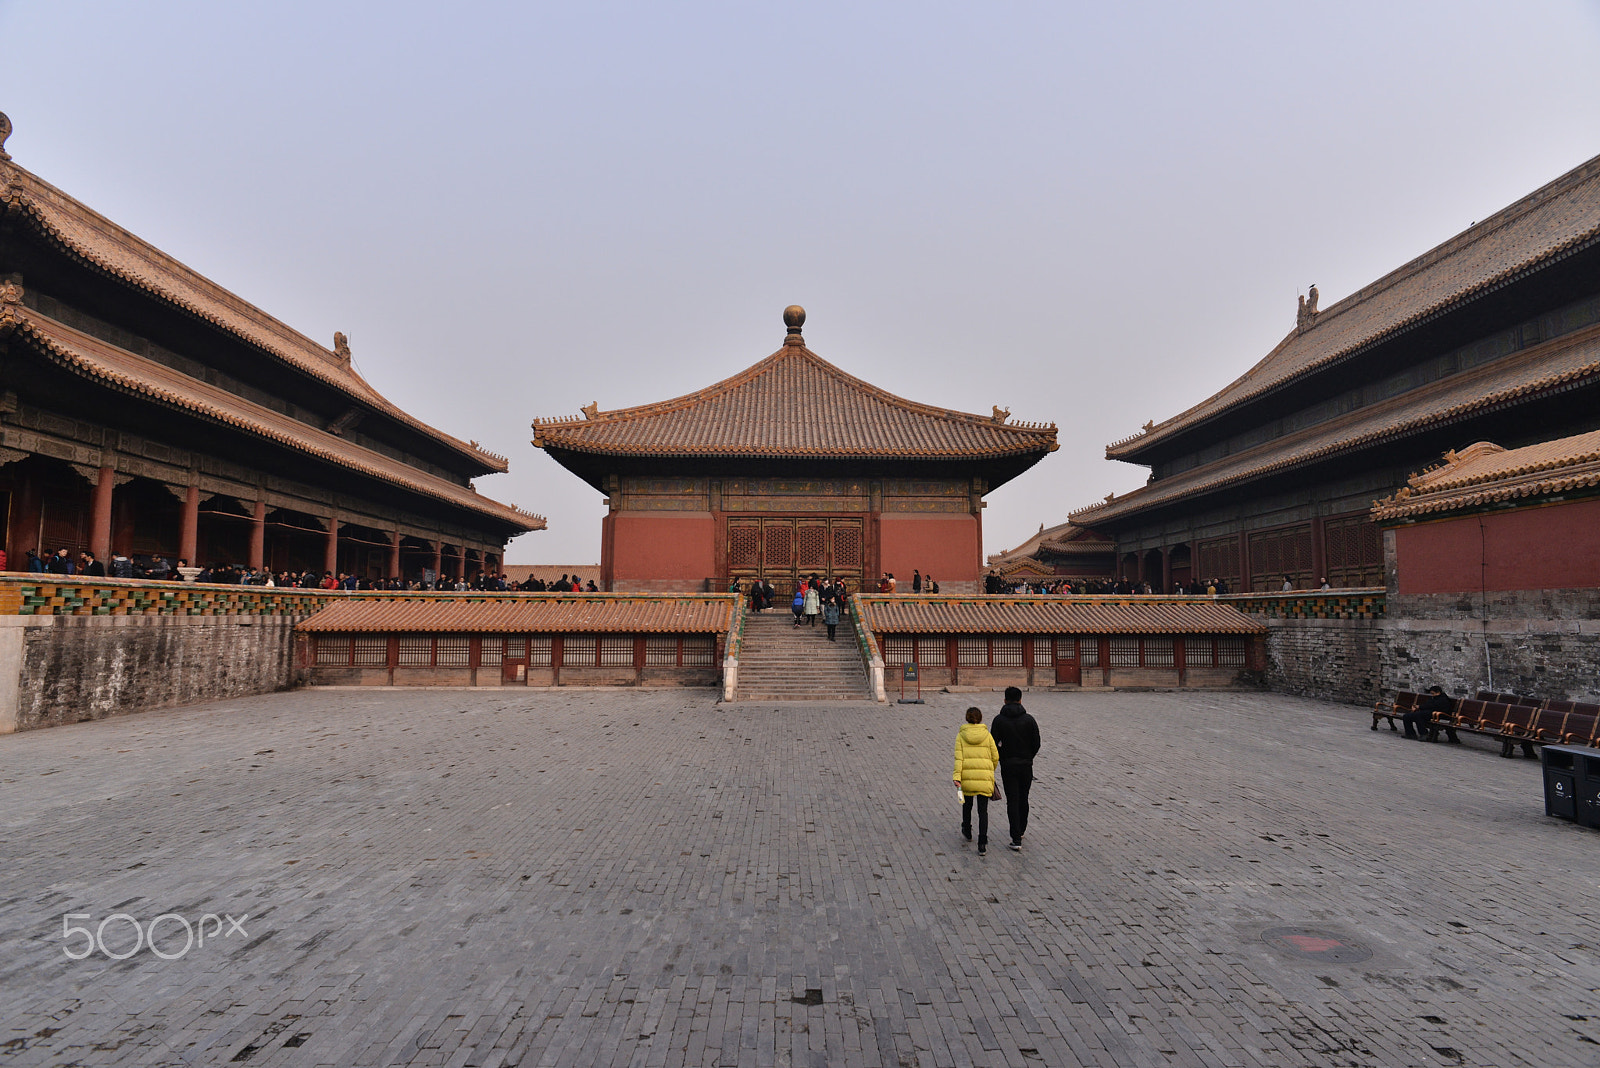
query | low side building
(1495,568)
(1092,642)
(519,640)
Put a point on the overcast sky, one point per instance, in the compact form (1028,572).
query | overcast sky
(1092,214)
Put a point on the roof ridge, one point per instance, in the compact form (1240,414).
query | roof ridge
(765,366)
(15,181)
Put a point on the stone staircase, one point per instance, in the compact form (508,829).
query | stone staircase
(782,662)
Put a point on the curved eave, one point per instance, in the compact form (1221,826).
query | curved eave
(13,195)
(783,453)
(1487,404)
(422,484)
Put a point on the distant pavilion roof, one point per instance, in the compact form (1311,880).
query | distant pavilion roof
(86,235)
(795,404)
(1064,539)
(1002,614)
(1484,475)
(607,613)
(1541,227)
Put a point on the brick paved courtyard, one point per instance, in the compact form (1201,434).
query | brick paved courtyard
(646,878)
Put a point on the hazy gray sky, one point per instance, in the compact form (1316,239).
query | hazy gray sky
(1095,214)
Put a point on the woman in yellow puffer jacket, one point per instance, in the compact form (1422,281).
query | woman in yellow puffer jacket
(976,759)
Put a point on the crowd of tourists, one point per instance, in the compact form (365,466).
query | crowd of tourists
(159,569)
(813,598)
(995,583)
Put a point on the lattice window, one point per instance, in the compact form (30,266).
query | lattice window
(898,650)
(744,546)
(454,652)
(1089,650)
(1066,650)
(1124,652)
(931,652)
(539,654)
(1198,652)
(491,650)
(972,652)
(847,546)
(416,652)
(661,652)
(616,650)
(1043,650)
(811,540)
(1008,652)
(1158,652)
(1230,652)
(333,649)
(700,651)
(370,650)
(1218,559)
(578,651)
(1278,553)
(1355,552)
(779,538)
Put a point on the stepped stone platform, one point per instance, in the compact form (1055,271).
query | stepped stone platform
(783,662)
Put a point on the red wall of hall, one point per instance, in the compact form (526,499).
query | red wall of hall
(1550,548)
(946,547)
(662,548)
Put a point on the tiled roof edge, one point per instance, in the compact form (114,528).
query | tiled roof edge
(1101,513)
(9,321)
(13,193)
(543,426)
(1124,448)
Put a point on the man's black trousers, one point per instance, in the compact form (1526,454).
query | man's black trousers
(1017,778)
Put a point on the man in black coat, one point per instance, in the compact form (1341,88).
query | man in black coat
(1016,735)
(1422,720)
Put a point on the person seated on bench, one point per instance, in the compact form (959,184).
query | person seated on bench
(1419,724)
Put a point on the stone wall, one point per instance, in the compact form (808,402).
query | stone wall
(1356,661)
(57,669)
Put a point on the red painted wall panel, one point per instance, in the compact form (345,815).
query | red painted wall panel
(1550,548)
(946,547)
(662,547)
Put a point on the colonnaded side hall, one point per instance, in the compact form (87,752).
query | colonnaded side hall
(146,411)
(789,468)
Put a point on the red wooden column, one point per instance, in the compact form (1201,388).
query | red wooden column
(189,527)
(393,568)
(438,559)
(258,536)
(330,553)
(100,517)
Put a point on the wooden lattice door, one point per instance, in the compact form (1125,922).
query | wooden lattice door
(777,548)
(744,548)
(846,556)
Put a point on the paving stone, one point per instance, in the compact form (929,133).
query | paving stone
(647,878)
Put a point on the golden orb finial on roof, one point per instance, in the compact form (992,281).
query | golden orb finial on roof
(794,317)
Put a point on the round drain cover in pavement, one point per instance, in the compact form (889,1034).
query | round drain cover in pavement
(1310,944)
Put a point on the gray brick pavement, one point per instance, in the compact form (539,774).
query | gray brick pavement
(645,878)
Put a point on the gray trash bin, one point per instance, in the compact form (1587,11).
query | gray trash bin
(1560,780)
